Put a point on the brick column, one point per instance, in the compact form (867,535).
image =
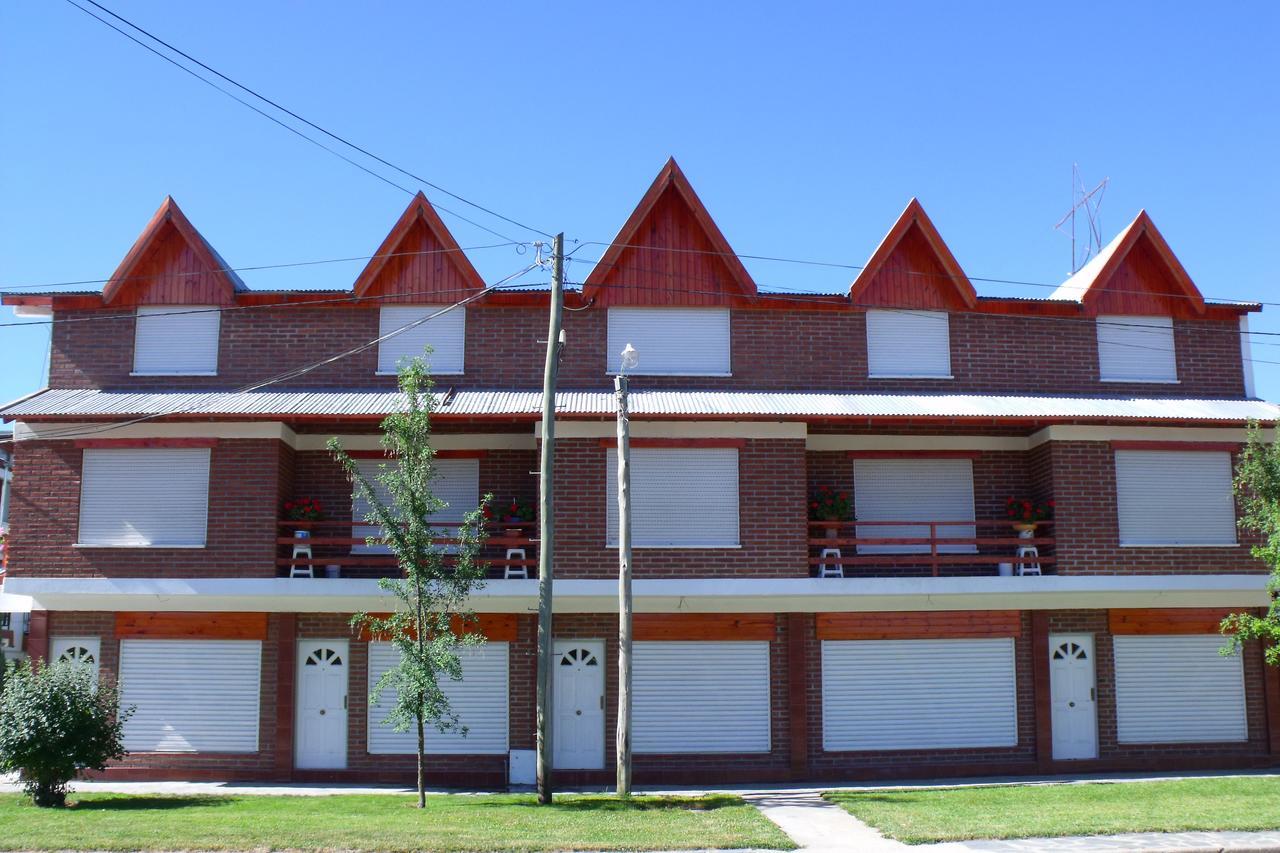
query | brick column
(37,644)
(798,693)
(1043,717)
(286,660)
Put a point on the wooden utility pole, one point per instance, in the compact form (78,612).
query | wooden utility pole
(546,519)
(624,588)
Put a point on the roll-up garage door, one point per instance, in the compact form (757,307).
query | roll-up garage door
(479,699)
(918,694)
(701,697)
(191,695)
(1178,689)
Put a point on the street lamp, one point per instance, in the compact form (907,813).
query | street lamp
(630,358)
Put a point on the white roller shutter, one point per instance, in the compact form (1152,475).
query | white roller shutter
(1136,349)
(480,700)
(918,694)
(457,483)
(913,490)
(1175,497)
(1178,689)
(681,497)
(191,695)
(671,341)
(908,343)
(701,697)
(446,335)
(176,340)
(140,497)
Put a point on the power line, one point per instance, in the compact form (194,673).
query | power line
(272,118)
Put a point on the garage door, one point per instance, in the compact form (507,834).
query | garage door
(700,697)
(479,700)
(918,694)
(1178,689)
(191,695)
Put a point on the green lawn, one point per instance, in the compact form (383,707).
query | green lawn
(954,814)
(384,822)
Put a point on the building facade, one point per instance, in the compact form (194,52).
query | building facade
(913,631)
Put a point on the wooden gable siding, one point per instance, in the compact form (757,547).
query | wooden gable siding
(1142,283)
(192,626)
(172,271)
(421,270)
(924,625)
(703,626)
(912,276)
(1188,620)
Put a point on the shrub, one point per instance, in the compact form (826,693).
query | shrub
(55,721)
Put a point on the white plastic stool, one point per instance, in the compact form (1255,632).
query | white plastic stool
(516,572)
(300,550)
(831,565)
(1024,551)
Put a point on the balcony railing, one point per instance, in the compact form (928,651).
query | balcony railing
(926,548)
(339,547)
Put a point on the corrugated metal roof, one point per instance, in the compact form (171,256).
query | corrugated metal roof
(109,404)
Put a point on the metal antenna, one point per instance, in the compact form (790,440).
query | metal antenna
(1090,201)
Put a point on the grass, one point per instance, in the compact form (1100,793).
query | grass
(384,822)
(955,814)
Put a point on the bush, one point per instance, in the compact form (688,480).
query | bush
(56,720)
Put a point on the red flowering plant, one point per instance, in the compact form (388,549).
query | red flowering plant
(516,510)
(1027,512)
(303,509)
(826,504)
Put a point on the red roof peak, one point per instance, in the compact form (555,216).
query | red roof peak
(912,267)
(419,258)
(669,251)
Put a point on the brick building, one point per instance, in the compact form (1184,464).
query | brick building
(929,636)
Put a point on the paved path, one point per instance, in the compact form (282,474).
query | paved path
(818,825)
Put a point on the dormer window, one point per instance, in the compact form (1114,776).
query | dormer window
(445,334)
(908,344)
(671,341)
(176,340)
(1136,349)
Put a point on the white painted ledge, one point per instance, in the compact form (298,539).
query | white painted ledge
(718,595)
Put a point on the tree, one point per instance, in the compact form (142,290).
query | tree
(55,721)
(1257,486)
(432,622)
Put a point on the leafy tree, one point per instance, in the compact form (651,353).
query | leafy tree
(55,721)
(1258,488)
(431,622)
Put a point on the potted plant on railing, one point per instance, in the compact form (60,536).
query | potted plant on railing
(1026,515)
(303,509)
(516,512)
(827,504)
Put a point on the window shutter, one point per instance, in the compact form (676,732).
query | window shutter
(82,650)
(479,700)
(918,694)
(908,343)
(176,340)
(671,341)
(680,497)
(1178,689)
(1175,497)
(446,335)
(139,497)
(913,490)
(457,483)
(1136,349)
(701,697)
(191,695)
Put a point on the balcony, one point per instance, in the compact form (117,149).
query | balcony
(338,548)
(926,549)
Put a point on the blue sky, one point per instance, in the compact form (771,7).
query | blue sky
(804,127)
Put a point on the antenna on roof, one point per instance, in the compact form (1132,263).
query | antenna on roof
(1088,202)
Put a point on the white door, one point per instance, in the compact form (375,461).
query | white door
(1072,689)
(577,691)
(322,704)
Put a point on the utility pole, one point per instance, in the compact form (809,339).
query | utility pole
(624,575)
(546,519)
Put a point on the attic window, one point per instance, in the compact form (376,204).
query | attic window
(1136,349)
(176,340)
(671,341)
(908,344)
(445,334)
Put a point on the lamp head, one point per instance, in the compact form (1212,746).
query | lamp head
(630,358)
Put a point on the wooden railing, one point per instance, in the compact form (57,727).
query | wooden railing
(933,553)
(342,544)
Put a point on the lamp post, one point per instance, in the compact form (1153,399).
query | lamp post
(630,358)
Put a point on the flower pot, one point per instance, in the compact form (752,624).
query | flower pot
(1025,528)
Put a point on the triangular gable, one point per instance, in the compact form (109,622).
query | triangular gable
(1136,273)
(419,260)
(913,268)
(172,264)
(669,252)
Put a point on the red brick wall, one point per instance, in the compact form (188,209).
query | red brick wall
(772,350)
(771,510)
(244,480)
